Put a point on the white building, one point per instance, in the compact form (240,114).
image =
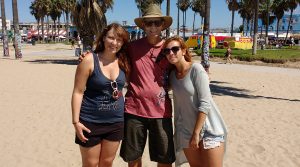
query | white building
(8,24)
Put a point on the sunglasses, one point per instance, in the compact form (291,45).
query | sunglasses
(149,23)
(174,49)
(115,93)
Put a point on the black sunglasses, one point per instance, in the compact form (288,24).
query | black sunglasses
(149,23)
(174,49)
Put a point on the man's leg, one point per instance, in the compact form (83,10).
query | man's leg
(135,136)
(161,145)
(135,163)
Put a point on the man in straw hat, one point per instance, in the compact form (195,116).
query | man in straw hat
(147,105)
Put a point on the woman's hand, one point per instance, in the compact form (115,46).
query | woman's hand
(194,141)
(79,128)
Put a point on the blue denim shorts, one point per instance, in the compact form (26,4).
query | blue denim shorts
(211,141)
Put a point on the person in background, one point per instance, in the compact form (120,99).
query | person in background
(72,43)
(200,131)
(228,55)
(97,100)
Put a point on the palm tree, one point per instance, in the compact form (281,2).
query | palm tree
(198,6)
(68,5)
(142,5)
(4,34)
(245,11)
(233,6)
(43,8)
(17,36)
(89,18)
(278,7)
(183,6)
(265,17)
(55,13)
(292,5)
(205,46)
(34,12)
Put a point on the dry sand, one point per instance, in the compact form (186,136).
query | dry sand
(261,106)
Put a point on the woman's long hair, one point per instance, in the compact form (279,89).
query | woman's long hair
(123,60)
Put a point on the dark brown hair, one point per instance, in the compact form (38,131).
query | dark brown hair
(187,55)
(123,61)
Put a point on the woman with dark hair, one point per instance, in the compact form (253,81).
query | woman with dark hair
(97,99)
(200,131)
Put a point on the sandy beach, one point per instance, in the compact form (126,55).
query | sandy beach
(261,107)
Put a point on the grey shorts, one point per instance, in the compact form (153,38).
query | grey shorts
(161,146)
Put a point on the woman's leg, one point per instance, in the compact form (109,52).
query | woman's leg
(90,155)
(108,153)
(195,157)
(205,157)
(214,156)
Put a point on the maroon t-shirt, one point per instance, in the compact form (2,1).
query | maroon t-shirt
(146,94)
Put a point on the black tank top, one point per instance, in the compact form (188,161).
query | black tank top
(98,104)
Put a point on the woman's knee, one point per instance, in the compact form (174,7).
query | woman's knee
(107,162)
(90,163)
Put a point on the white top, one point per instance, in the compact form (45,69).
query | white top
(192,95)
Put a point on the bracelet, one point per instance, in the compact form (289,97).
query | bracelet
(74,123)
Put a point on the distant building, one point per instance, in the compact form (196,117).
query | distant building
(8,24)
(283,24)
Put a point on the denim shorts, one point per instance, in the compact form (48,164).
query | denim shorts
(211,141)
(160,130)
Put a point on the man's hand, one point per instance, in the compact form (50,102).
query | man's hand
(81,57)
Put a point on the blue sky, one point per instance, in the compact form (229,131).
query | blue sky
(126,10)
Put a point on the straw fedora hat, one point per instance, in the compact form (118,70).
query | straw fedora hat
(153,11)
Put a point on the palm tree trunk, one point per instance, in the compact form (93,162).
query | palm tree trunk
(58,28)
(232,22)
(277,29)
(255,28)
(5,39)
(247,26)
(244,21)
(194,22)
(67,26)
(183,27)
(205,46)
(38,28)
(48,27)
(52,30)
(17,41)
(178,18)
(267,24)
(43,34)
(168,14)
(288,29)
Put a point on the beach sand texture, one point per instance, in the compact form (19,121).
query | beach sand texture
(261,107)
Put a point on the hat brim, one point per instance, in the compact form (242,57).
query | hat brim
(167,21)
